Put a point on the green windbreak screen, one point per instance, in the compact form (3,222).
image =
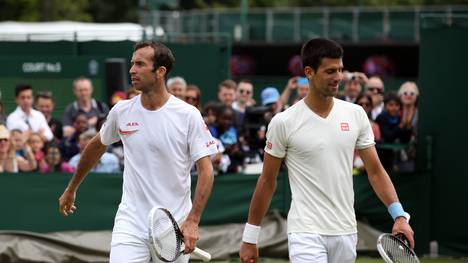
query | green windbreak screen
(443,111)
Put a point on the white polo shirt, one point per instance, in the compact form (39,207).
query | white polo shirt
(160,147)
(319,155)
(35,121)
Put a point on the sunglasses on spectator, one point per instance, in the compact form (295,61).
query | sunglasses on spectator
(375,89)
(3,140)
(191,98)
(244,91)
(406,93)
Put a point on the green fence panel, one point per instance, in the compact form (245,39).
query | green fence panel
(283,27)
(402,26)
(443,55)
(370,26)
(311,26)
(341,27)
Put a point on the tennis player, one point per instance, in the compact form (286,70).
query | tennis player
(316,138)
(162,137)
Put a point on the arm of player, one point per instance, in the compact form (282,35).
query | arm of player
(384,189)
(202,193)
(266,186)
(89,158)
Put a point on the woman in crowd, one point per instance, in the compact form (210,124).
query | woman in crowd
(54,162)
(8,162)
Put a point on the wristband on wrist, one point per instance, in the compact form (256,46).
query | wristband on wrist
(396,210)
(251,234)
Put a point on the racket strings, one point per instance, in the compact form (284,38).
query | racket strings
(167,240)
(398,252)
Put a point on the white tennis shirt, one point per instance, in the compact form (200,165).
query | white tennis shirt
(318,153)
(160,147)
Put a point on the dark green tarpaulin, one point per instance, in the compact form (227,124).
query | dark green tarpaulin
(30,202)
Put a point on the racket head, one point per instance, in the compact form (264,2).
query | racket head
(165,236)
(395,250)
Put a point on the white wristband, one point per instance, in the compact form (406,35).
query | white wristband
(251,234)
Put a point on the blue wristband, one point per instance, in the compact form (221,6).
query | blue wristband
(396,210)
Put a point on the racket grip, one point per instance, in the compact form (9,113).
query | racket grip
(202,254)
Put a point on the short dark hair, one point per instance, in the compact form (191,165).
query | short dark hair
(392,96)
(43,94)
(316,49)
(163,56)
(20,88)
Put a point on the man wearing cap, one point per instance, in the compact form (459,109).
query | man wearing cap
(375,88)
(271,97)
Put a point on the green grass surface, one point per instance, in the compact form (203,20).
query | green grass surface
(360,260)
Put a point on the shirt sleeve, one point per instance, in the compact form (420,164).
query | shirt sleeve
(67,116)
(366,135)
(201,143)
(47,131)
(276,142)
(109,130)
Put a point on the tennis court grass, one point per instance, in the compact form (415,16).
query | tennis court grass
(360,260)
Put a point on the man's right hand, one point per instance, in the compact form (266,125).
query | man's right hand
(67,202)
(248,253)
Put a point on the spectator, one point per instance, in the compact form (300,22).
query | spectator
(43,102)
(69,145)
(353,88)
(109,163)
(375,88)
(193,96)
(177,86)
(36,143)
(393,130)
(94,110)
(365,101)
(132,92)
(244,96)
(117,96)
(2,114)
(210,111)
(271,99)
(227,134)
(227,92)
(54,162)
(24,155)
(300,85)
(8,162)
(409,94)
(25,118)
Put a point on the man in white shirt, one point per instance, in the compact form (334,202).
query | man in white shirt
(316,138)
(162,136)
(25,118)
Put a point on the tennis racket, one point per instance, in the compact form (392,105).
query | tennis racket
(167,241)
(395,249)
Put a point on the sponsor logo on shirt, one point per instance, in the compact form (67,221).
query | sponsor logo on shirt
(132,124)
(128,132)
(269,145)
(212,142)
(344,126)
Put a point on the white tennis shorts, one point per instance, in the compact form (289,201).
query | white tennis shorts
(314,248)
(127,248)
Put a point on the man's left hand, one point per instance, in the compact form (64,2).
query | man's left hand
(190,231)
(402,227)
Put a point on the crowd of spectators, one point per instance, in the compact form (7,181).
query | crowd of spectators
(32,140)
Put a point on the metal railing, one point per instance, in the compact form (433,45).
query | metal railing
(394,24)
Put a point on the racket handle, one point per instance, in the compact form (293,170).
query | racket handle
(202,254)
